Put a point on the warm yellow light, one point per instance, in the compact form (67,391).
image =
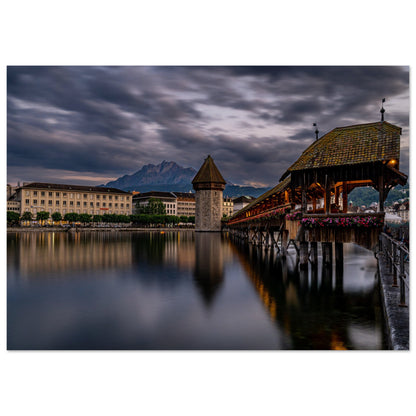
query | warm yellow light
(392,163)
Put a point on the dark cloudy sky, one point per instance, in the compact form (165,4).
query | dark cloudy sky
(90,125)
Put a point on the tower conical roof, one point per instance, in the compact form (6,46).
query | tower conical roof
(208,173)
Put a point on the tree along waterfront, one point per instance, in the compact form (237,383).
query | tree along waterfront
(142,220)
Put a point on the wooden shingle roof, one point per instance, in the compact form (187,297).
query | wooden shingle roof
(208,173)
(361,143)
(280,187)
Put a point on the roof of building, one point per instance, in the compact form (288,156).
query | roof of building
(62,187)
(243,198)
(155,194)
(361,143)
(208,173)
(184,194)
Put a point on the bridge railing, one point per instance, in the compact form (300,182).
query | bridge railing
(397,256)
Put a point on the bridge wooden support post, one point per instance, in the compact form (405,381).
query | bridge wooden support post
(381,192)
(273,241)
(303,254)
(344,197)
(339,255)
(314,252)
(327,195)
(284,236)
(339,258)
(327,253)
(260,238)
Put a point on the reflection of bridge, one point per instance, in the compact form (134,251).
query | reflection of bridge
(310,204)
(312,311)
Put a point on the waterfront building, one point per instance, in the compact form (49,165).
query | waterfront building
(241,202)
(227,207)
(13,205)
(209,186)
(185,202)
(402,210)
(168,199)
(93,200)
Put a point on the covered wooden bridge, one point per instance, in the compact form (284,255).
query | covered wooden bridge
(310,203)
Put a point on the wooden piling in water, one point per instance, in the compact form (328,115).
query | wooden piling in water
(339,256)
(314,252)
(327,253)
(284,236)
(303,254)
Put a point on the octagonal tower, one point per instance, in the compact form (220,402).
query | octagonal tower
(209,186)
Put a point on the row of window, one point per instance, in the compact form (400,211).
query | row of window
(71,203)
(78,211)
(78,196)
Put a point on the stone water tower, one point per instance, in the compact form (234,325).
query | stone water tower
(209,185)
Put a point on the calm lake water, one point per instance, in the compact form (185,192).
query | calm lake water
(183,290)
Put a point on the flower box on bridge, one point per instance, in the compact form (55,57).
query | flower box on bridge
(361,229)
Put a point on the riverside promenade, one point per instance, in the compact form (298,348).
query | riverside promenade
(88,229)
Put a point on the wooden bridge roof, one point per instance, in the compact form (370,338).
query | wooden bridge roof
(281,186)
(208,173)
(361,143)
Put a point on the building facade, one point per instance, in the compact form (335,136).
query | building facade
(209,186)
(402,210)
(168,199)
(175,203)
(94,200)
(227,207)
(185,203)
(13,206)
(241,202)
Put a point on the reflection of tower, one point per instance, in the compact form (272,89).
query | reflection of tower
(208,184)
(209,271)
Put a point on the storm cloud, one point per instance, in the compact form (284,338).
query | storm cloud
(90,125)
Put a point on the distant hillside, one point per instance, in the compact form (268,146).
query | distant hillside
(169,176)
(235,191)
(367,195)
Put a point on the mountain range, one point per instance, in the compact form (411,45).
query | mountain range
(169,176)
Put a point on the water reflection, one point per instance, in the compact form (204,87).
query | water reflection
(38,255)
(209,265)
(182,290)
(313,309)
